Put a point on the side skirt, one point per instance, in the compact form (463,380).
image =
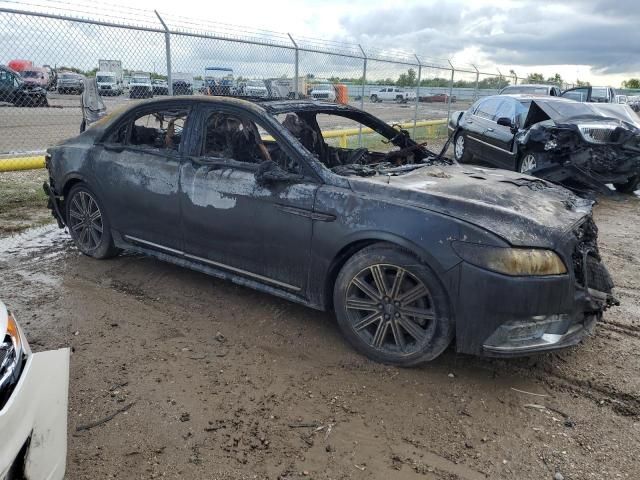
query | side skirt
(220,273)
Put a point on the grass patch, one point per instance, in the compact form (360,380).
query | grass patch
(23,203)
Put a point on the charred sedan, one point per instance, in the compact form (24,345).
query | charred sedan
(408,249)
(581,145)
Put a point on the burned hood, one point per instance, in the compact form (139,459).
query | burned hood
(523,210)
(562,111)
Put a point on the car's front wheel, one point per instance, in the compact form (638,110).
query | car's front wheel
(374,98)
(391,307)
(88,223)
(460,151)
(629,186)
(528,163)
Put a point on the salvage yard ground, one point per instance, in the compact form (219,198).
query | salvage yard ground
(219,381)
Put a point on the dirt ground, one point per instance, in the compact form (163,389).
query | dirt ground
(222,382)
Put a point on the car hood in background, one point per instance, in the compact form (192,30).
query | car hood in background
(523,210)
(563,112)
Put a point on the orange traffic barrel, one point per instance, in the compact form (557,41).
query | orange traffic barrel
(342,94)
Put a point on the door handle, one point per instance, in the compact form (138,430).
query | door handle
(469,121)
(114,148)
(489,130)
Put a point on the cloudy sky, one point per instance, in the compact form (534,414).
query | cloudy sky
(592,40)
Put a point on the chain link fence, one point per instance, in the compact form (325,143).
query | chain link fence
(54,46)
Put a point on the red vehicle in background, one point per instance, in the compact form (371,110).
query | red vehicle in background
(438,98)
(20,65)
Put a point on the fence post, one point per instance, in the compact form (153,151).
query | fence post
(453,71)
(364,82)
(297,57)
(167,41)
(475,92)
(415,113)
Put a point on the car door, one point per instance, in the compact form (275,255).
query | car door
(7,86)
(137,169)
(499,138)
(230,220)
(478,124)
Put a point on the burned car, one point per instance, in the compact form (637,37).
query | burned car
(408,249)
(15,90)
(583,146)
(33,406)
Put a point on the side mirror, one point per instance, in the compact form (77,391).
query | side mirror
(505,122)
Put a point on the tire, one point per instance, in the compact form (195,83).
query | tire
(460,150)
(527,163)
(88,224)
(409,323)
(374,99)
(628,187)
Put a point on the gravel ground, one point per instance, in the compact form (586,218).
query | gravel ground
(223,382)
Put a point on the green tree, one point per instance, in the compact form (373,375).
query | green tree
(534,78)
(407,79)
(556,79)
(581,83)
(632,83)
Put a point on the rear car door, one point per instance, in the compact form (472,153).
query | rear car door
(230,219)
(499,138)
(478,124)
(137,168)
(7,86)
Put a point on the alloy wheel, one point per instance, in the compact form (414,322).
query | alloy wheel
(528,163)
(85,221)
(459,147)
(390,309)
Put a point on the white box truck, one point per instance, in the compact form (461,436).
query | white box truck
(109,77)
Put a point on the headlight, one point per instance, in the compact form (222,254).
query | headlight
(597,132)
(12,352)
(511,261)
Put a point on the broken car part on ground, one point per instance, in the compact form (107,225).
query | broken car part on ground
(408,249)
(33,406)
(583,146)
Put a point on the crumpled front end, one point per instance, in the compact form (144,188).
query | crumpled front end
(584,153)
(507,316)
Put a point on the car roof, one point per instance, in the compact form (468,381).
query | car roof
(257,105)
(529,96)
(537,85)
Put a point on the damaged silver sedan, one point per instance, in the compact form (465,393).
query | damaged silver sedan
(407,248)
(33,406)
(583,146)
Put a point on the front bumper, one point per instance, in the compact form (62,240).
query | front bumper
(33,422)
(504,316)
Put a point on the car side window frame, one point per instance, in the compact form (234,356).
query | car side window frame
(198,138)
(129,120)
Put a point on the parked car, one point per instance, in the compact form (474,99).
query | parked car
(438,98)
(591,94)
(408,249)
(577,144)
(252,88)
(531,89)
(69,82)
(36,77)
(621,99)
(14,90)
(634,103)
(160,87)
(33,406)
(392,93)
(323,91)
(140,86)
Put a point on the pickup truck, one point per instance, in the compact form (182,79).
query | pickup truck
(392,93)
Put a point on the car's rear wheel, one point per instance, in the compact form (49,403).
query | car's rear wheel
(88,223)
(528,163)
(460,151)
(630,186)
(391,307)
(374,98)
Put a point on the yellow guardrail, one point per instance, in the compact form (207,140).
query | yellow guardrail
(14,164)
(32,162)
